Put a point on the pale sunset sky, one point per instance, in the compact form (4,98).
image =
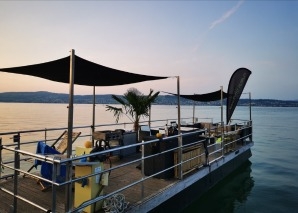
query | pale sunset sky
(203,42)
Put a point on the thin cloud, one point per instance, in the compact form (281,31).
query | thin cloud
(226,15)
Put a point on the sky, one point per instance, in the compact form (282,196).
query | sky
(202,42)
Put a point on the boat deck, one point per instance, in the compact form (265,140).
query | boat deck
(118,178)
(127,176)
(31,190)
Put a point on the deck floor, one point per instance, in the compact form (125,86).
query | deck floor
(121,177)
(31,190)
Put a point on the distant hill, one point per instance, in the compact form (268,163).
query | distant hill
(48,97)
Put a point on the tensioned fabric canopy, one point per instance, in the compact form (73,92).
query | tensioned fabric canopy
(212,96)
(76,70)
(86,73)
(236,85)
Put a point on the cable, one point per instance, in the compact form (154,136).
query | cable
(115,204)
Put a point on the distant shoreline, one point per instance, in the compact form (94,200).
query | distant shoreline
(48,97)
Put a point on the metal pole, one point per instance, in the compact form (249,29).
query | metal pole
(70,105)
(54,179)
(179,131)
(17,139)
(149,122)
(221,103)
(193,112)
(93,116)
(250,117)
(15,180)
(222,122)
(45,135)
(1,162)
(249,106)
(68,192)
(143,170)
(178,100)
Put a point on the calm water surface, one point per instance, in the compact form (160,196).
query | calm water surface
(267,183)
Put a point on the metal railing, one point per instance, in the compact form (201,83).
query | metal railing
(193,147)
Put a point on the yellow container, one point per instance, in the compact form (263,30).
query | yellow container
(93,187)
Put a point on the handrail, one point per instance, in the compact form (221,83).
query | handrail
(204,155)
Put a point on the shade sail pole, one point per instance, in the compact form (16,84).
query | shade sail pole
(250,118)
(193,112)
(180,176)
(68,201)
(250,106)
(70,104)
(221,104)
(178,100)
(93,116)
(222,121)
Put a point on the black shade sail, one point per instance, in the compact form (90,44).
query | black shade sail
(236,85)
(212,96)
(86,73)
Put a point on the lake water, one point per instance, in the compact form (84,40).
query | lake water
(267,183)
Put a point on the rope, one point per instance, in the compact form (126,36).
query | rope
(115,204)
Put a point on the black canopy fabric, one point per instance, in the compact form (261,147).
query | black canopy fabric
(86,73)
(212,96)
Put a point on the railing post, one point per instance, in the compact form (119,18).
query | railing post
(16,139)
(143,170)
(45,135)
(250,130)
(180,145)
(56,170)
(205,144)
(15,179)
(1,166)
(222,138)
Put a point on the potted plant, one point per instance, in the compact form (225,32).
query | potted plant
(134,105)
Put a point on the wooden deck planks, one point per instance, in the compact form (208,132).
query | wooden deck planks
(29,188)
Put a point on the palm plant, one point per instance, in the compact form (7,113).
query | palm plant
(135,105)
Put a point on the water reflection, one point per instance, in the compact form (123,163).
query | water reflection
(229,194)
